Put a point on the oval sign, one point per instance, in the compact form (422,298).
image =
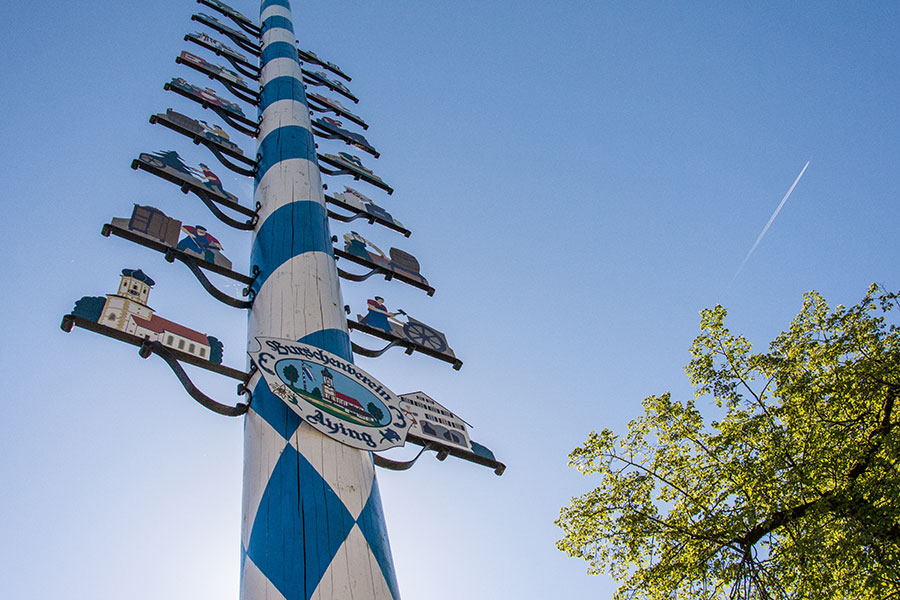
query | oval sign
(335,396)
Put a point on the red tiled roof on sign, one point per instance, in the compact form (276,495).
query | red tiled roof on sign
(348,399)
(160,325)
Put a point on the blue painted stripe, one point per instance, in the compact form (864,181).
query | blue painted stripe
(335,341)
(274,411)
(272,248)
(277,22)
(278,50)
(371,523)
(267,3)
(285,143)
(285,87)
(299,527)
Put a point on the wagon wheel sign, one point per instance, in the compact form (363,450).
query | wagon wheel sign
(411,334)
(423,335)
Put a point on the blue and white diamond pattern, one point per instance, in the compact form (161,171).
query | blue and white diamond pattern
(322,539)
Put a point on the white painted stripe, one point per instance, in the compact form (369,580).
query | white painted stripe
(255,585)
(282,113)
(275,11)
(262,449)
(353,574)
(278,34)
(302,296)
(348,471)
(285,182)
(280,67)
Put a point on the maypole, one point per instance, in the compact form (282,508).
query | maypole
(312,520)
(313,525)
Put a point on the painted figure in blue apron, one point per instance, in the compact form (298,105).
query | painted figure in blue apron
(357,245)
(378,314)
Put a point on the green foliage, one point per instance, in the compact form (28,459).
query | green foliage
(292,374)
(792,493)
(375,411)
(215,350)
(90,308)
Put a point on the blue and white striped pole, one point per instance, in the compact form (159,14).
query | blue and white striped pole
(313,525)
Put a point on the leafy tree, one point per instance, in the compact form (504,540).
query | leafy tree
(792,492)
(90,308)
(375,411)
(215,349)
(292,374)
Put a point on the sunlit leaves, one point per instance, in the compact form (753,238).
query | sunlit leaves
(790,490)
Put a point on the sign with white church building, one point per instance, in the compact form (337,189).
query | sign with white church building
(127,311)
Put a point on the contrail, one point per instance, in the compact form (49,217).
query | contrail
(772,218)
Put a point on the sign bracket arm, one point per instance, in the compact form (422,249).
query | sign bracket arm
(213,291)
(225,162)
(403,465)
(153,347)
(246,226)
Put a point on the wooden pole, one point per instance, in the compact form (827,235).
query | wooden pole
(313,525)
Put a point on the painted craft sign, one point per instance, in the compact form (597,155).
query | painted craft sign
(127,310)
(320,78)
(194,127)
(433,421)
(333,105)
(350,164)
(216,71)
(227,10)
(355,201)
(168,165)
(238,36)
(412,331)
(154,224)
(335,396)
(204,96)
(312,57)
(218,47)
(333,129)
(402,263)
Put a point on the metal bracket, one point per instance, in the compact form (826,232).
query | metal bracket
(377,270)
(247,96)
(376,353)
(323,133)
(153,347)
(253,30)
(351,218)
(241,68)
(215,292)
(398,465)
(247,226)
(249,291)
(171,253)
(218,154)
(408,346)
(368,217)
(338,172)
(353,277)
(246,45)
(233,120)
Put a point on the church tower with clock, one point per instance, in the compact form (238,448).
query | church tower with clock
(130,299)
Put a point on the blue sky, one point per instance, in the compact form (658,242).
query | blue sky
(581,179)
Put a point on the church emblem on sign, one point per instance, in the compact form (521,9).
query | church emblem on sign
(335,396)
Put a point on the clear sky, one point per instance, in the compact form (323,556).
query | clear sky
(581,178)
